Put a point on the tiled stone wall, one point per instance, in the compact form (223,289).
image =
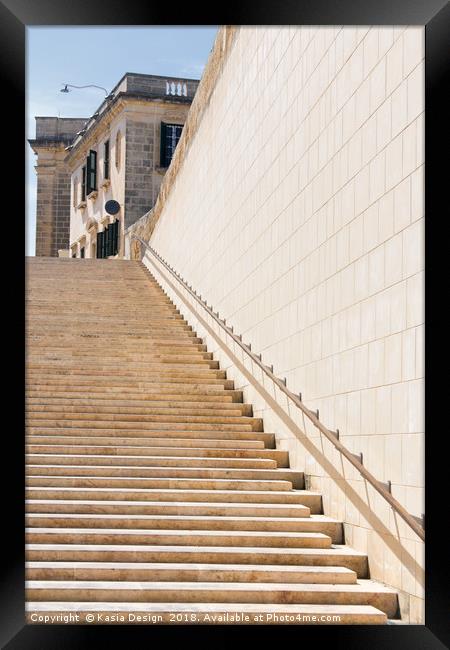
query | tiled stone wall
(298,213)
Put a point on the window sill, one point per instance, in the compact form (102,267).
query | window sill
(93,195)
(161,170)
(81,205)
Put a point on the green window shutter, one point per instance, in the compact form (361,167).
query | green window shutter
(83,183)
(106,160)
(91,172)
(163,154)
(99,244)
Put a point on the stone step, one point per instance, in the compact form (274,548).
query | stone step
(156,483)
(162,441)
(300,497)
(141,571)
(170,537)
(152,461)
(313,524)
(171,391)
(121,422)
(167,508)
(186,375)
(136,415)
(205,613)
(149,404)
(335,556)
(364,592)
(295,478)
(280,456)
(268,439)
(115,407)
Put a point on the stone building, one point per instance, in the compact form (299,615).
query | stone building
(53,135)
(120,153)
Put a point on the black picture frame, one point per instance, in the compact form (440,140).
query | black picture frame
(15,16)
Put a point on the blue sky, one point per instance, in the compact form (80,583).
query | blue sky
(93,55)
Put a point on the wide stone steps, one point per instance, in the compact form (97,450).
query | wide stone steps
(82,460)
(281,457)
(295,478)
(313,524)
(286,556)
(165,508)
(143,415)
(150,487)
(176,537)
(299,497)
(147,572)
(382,598)
(148,404)
(268,439)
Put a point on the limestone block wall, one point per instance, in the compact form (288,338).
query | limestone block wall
(298,213)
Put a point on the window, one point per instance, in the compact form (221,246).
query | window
(117,153)
(91,172)
(170,134)
(106,160)
(75,192)
(108,240)
(83,183)
(82,251)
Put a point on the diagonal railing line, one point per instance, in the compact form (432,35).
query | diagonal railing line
(415,523)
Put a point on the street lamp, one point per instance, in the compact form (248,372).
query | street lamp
(67,86)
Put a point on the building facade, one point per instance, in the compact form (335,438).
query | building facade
(53,135)
(119,154)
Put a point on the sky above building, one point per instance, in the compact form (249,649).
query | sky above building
(101,56)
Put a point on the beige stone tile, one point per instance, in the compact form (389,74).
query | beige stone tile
(378,85)
(370,228)
(416,406)
(386,216)
(410,149)
(400,416)
(368,320)
(376,362)
(393,452)
(393,257)
(417,610)
(384,124)
(420,351)
(408,354)
(399,108)
(383,307)
(394,66)
(417,194)
(385,39)
(369,139)
(402,205)
(397,305)
(393,359)
(416,92)
(375,549)
(413,248)
(394,162)
(376,270)
(413,48)
(415,300)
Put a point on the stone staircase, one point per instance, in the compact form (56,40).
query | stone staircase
(151,488)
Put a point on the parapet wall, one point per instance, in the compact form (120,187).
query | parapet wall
(295,206)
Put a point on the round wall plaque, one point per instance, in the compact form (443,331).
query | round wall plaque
(112,207)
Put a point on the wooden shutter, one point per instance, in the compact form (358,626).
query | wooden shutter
(91,172)
(106,160)
(163,152)
(83,183)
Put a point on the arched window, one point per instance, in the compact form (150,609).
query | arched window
(118,149)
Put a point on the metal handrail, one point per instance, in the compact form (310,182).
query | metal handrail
(332,436)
